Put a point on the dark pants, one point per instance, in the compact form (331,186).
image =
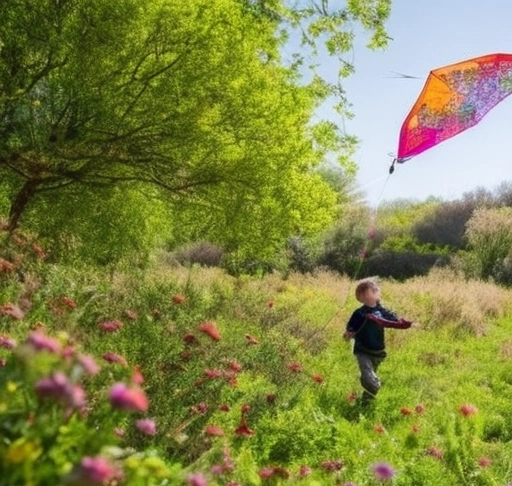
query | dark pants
(370,382)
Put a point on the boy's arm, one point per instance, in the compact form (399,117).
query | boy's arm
(353,325)
(395,324)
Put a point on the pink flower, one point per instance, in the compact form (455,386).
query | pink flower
(146,426)
(434,452)
(94,471)
(110,326)
(7,342)
(88,364)
(40,342)
(115,358)
(210,329)
(266,472)
(196,480)
(129,399)
(178,299)
(137,377)
(245,408)
(213,430)
(201,408)
(235,366)
(304,471)
(224,407)
(484,462)
(467,410)
(213,373)
(59,387)
(352,397)
(383,471)
(332,465)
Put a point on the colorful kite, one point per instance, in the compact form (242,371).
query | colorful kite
(454,98)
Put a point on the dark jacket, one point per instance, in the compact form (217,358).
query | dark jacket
(368,324)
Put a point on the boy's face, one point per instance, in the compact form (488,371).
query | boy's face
(370,297)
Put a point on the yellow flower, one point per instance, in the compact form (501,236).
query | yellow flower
(11,386)
(22,450)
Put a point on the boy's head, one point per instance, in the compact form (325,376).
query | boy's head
(368,292)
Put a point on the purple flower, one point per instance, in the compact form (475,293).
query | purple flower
(129,399)
(88,364)
(7,342)
(383,471)
(40,342)
(146,426)
(94,471)
(115,358)
(59,387)
(197,480)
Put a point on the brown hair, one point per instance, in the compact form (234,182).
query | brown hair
(364,285)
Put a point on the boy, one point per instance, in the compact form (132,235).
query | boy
(366,327)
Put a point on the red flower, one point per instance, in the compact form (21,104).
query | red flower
(406,411)
(129,399)
(352,397)
(213,373)
(110,326)
(201,408)
(304,471)
(243,429)
(235,366)
(251,339)
(434,452)
(213,430)
(295,367)
(12,310)
(115,358)
(178,298)
(467,409)
(484,462)
(419,409)
(210,329)
(333,465)
(379,429)
(224,407)
(245,408)
(270,304)
(137,377)
(318,378)
(266,472)
(7,342)
(189,338)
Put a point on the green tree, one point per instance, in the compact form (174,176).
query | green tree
(190,97)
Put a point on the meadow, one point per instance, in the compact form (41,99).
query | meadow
(185,375)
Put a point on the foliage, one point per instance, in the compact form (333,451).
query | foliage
(489,234)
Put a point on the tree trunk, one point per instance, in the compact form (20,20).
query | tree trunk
(20,202)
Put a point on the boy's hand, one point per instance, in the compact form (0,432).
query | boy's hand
(348,335)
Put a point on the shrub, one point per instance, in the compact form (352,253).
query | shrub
(202,253)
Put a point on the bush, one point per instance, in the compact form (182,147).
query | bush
(202,253)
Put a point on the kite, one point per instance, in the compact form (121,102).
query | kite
(454,98)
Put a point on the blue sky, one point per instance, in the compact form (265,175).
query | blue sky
(428,34)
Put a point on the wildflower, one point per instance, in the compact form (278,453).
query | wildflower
(266,472)
(484,462)
(146,426)
(318,378)
(235,366)
(119,432)
(196,480)
(129,399)
(270,304)
(213,430)
(415,428)
(88,364)
(406,411)
(189,338)
(245,408)
(40,342)
(363,253)
(251,339)
(210,329)
(137,377)
(217,469)
(59,387)
(131,314)
(213,373)
(434,452)
(243,429)
(352,397)
(304,471)
(332,465)
(39,251)
(6,266)
(200,408)
(68,352)
(7,342)
(419,409)
(110,326)
(224,407)
(115,358)
(467,409)
(178,299)
(294,367)
(93,471)
(379,429)
(12,310)
(383,471)
(68,302)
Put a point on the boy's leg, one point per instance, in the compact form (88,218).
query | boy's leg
(369,379)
